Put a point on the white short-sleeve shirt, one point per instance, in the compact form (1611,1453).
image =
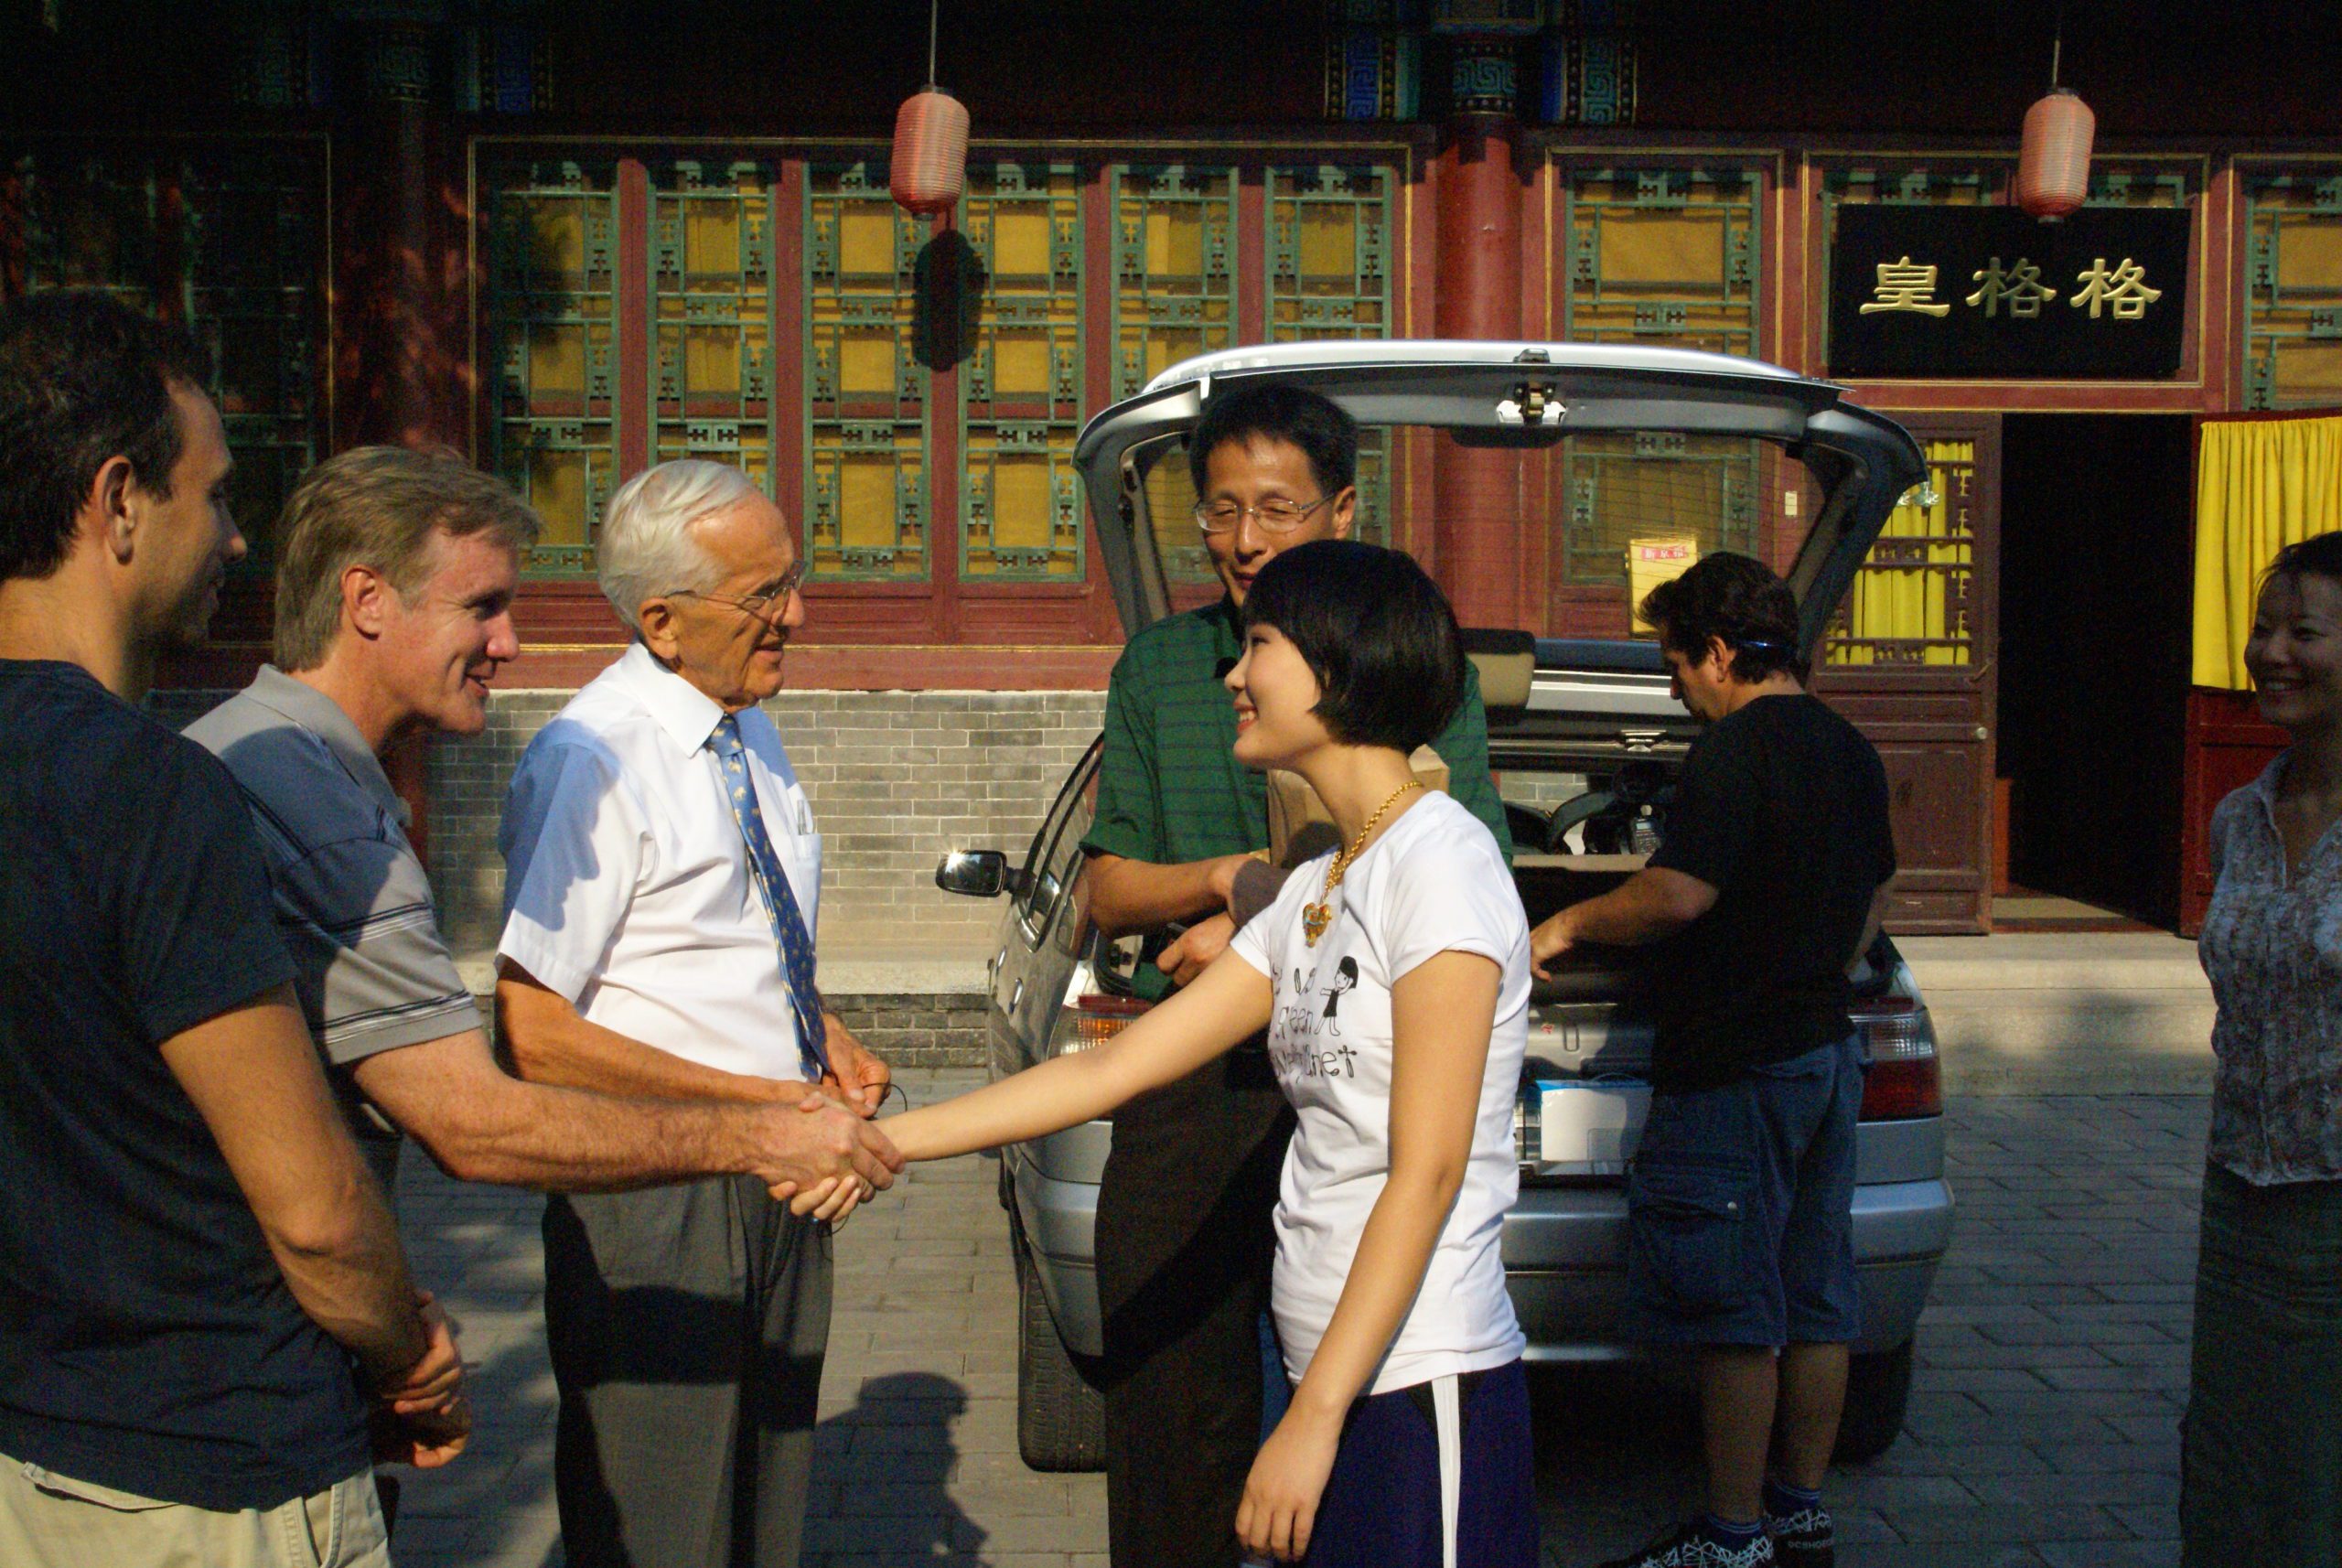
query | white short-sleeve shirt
(626,886)
(1434,881)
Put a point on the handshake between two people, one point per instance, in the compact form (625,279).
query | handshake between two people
(826,1156)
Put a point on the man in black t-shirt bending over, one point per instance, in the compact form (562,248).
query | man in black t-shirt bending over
(1769,880)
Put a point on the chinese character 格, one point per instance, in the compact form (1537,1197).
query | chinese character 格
(2020,288)
(1902,287)
(2124,289)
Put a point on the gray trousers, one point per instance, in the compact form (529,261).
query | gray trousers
(686,1326)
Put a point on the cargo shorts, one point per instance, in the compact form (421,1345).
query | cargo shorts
(1740,1207)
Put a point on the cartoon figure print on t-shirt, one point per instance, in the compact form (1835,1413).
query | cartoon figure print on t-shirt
(1434,883)
(1306,1041)
(1344,977)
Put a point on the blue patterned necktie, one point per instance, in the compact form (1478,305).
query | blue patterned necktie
(789,931)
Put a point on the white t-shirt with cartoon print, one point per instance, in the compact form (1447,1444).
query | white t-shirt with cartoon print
(1434,881)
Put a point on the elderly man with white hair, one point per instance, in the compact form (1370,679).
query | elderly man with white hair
(661,878)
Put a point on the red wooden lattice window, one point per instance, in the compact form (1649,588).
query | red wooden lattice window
(908,391)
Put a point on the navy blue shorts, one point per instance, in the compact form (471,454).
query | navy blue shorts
(1381,1503)
(1740,1209)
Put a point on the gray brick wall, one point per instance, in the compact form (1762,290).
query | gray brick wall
(918,1029)
(895,780)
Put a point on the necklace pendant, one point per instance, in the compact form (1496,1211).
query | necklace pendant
(1314,918)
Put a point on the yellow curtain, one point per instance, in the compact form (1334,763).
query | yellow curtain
(1892,601)
(2260,485)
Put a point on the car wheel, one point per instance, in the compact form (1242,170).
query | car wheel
(1878,1387)
(1061,1417)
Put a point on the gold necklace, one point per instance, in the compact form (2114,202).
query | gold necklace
(1316,918)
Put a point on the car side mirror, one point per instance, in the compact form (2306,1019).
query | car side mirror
(978,873)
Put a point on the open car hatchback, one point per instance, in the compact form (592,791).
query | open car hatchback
(1618,446)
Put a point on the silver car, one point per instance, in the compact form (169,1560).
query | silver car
(1584,740)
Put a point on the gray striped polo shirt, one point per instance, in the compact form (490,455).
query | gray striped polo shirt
(351,897)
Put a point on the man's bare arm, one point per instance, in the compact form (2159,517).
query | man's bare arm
(1653,903)
(480,1123)
(252,1074)
(551,1043)
(1128,896)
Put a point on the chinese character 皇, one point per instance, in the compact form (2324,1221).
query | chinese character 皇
(2020,288)
(1902,287)
(2125,289)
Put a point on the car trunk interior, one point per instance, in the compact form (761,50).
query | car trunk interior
(1552,882)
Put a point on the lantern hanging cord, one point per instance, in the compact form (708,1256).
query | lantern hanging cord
(2057,48)
(934,5)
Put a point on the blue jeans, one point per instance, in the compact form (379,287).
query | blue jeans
(1740,1207)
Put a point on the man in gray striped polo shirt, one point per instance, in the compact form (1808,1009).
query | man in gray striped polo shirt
(394,612)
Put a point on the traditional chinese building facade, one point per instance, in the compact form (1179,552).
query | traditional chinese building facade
(574,241)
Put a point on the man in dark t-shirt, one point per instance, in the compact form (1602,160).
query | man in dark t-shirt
(202,1295)
(1768,881)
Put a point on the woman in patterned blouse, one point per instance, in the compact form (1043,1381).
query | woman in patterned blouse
(2262,1442)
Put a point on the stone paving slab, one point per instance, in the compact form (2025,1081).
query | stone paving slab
(2042,1433)
(2067,1013)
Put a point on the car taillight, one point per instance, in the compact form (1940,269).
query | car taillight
(1092,1020)
(1905,1077)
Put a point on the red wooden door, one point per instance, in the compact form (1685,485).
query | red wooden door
(2228,746)
(1909,657)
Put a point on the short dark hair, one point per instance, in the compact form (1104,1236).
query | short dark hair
(84,379)
(1327,436)
(2319,555)
(1737,599)
(1378,634)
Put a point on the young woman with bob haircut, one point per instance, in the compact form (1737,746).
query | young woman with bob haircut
(1392,978)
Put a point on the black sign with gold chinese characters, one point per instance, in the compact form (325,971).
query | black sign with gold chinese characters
(1991,292)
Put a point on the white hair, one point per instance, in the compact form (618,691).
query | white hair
(646,547)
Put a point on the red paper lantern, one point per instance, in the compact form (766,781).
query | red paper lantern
(931,163)
(2053,171)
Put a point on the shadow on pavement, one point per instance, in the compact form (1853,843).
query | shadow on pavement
(899,1426)
(477,1248)
(1617,1459)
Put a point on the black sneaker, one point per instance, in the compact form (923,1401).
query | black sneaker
(1804,1539)
(1690,1548)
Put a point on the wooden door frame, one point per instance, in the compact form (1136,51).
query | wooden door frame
(1918,705)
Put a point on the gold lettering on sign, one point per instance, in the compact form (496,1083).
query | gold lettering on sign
(2124,290)
(1903,286)
(2020,288)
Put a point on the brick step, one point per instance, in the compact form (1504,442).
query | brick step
(2055,1013)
